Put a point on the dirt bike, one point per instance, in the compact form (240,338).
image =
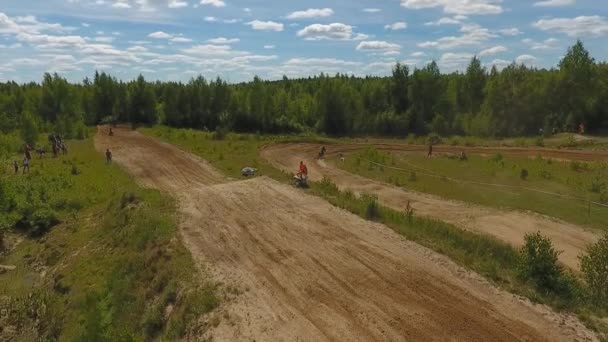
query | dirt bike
(300,181)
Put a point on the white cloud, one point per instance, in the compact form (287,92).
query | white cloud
(376,46)
(210,50)
(311,13)
(121,4)
(177,4)
(210,19)
(500,63)
(418,54)
(214,3)
(526,60)
(396,26)
(137,49)
(575,27)
(104,39)
(222,40)
(85,24)
(160,35)
(247,10)
(492,51)
(320,61)
(547,44)
(265,25)
(443,21)
(269,47)
(335,31)
(554,3)
(372,10)
(463,7)
(473,34)
(513,31)
(180,40)
(453,61)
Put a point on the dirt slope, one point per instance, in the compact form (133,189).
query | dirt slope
(311,272)
(508,226)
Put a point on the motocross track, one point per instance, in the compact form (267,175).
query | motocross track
(307,271)
(508,226)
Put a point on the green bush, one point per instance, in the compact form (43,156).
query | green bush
(36,221)
(538,262)
(523,174)
(539,141)
(412,177)
(594,266)
(497,158)
(434,139)
(597,185)
(372,209)
(604,197)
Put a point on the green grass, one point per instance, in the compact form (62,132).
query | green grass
(588,181)
(558,141)
(109,269)
(489,257)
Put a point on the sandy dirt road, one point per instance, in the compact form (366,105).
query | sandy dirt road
(508,226)
(308,271)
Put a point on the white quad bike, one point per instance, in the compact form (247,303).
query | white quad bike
(300,181)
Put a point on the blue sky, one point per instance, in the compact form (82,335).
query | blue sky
(237,39)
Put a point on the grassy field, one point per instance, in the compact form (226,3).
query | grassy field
(495,260)
(96,257)
(439,175)
(558,141)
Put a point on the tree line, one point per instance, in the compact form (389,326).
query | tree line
(517,100)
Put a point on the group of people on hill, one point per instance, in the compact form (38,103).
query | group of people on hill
(57,145)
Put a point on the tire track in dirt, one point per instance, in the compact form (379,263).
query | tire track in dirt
(308,271)
(508,226)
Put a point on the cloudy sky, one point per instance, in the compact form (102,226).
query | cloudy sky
(237,39)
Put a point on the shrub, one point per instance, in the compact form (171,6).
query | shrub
(604,197)
(523,174)
(412,177)
(577,166)
(546,174)
(153,322)
(434,139)
(372,209)
(75,171)
(538,262)
(597,185)
(128,198)
(36,221)
(540,141)
(594,266)
(497,158)
(220,133)
(409,212)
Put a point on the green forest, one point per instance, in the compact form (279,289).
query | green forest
(515,101)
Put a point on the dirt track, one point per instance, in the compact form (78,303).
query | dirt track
(508,226)
(311,272)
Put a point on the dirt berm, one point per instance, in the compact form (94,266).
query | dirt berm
(307,271)
(508,226)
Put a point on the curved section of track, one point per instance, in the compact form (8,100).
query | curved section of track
(508,226)
(307,271)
